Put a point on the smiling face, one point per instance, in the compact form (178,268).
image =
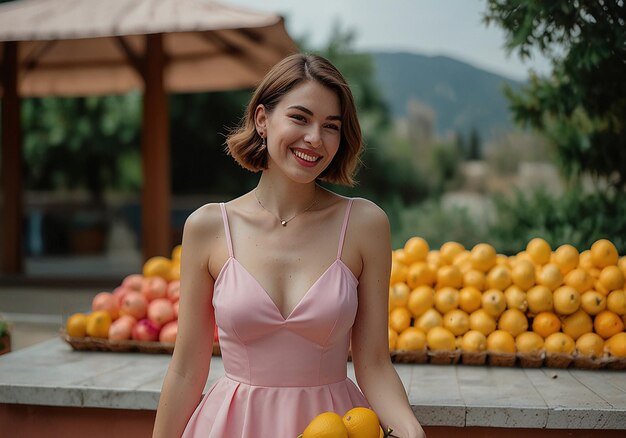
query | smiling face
(303,131)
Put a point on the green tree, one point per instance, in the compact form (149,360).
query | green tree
(88,142)
(475,145)
(581,105)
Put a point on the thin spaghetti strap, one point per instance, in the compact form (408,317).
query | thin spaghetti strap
(342,236)
(227,230)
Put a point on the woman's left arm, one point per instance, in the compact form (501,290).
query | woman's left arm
(374,371)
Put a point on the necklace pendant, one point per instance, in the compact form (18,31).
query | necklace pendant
(283,223)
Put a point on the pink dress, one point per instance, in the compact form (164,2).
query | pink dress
(279,372)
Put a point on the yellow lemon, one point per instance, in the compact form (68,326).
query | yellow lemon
(550,276)
(566,258)
(579,279)
(494,302)
(449,251)
(577,324)
(593,302)
(440,338)
(590,344)
(501,259)
(434,260)
(431,318)
(513,321)
(616,345)
(411,339)
(584,261)
(420,274)
(539,251)
(398,295)
(449,276)
(177,253)
(516,298)
(446,299)
(499,277)
(528,342)
(607,324)
(566,300)
(539,299)
(361,423)
(483,257)
(482,321)
(98,324)
(474,278)
(470,299)
(399,319)
(559,343)
(325,425)
(546,323)
(611,278)
(400,256)
(616,302)
(416,249)
(474,341)
(157,267)
(500,341)
(399,272)
(421,299)
(603,253)
(76,325)
(457,321)
(523,274)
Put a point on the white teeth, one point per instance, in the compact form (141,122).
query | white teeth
(304,156)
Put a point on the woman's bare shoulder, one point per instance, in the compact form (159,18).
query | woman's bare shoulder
(368,217)
(204,221)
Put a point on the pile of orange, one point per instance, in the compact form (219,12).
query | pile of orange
(107,307)
(540,299)
(358,422)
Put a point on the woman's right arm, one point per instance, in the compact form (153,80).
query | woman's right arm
(189,367)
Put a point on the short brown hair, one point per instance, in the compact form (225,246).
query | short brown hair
(245,144)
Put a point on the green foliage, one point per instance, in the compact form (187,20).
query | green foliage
(199,125)
(575,218)
(439,224)
(443,168)
(581,107)
(82,143)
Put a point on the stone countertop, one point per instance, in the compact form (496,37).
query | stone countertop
(52,374)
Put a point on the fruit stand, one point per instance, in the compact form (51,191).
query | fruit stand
(528,344)
(48,389)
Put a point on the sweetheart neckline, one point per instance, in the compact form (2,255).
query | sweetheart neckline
(267,295)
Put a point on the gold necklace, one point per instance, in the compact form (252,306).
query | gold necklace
(284,222)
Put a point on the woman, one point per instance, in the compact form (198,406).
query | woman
(291,273)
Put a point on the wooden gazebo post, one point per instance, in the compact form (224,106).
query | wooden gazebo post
(155,195)
(12,259)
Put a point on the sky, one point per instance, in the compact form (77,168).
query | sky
(429,27)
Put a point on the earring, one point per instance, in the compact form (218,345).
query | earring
(263,142)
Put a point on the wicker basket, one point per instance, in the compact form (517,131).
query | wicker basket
(532,359)
(444,357)
(588,362)
(615,363)
(473,358)
(127,346)
(558,360)
(502,359)
(403,356)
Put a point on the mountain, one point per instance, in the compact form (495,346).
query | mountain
(462,96)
